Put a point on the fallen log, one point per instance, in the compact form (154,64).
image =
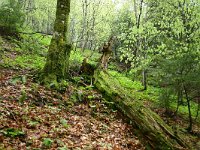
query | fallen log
(154,130)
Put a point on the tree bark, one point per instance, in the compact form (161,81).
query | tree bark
(189,110)
(57,63)
(152,128)
(144,79)
(85,6)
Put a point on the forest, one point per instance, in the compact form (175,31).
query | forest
(100,74)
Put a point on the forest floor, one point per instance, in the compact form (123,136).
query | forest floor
(46,119)
(35,117)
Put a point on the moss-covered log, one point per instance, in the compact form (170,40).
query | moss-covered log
(155,131)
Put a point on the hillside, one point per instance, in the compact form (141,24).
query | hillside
(78,117)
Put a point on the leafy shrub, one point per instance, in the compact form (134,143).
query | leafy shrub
(166,98)
(33,44)
(11,16)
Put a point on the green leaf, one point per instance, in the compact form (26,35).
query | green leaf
(47,142)
(33,123)
(23,78)
(15,80)
(90,96)
(64,123)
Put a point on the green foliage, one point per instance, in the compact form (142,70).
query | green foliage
(33,124)
(11,15)
(51,83)
(35,87)
(33,44)
(47,142)
(90,97)
(42,14)
(160,97)
(178,55)
(126,82)
(11,132)
(165,44)
(165,98)
(76,59)
(64,123)
(32,50)
(25,61)
(23,95)
(18,79)
(44,40)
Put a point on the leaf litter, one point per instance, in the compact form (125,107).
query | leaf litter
(34,117)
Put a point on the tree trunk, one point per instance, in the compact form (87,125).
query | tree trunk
(157,134)
(144,79)
(85,5)
(198,109)
(189,110)
(57,63)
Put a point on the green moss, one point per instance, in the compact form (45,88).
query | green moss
(152,94)
(58,59)
(24,62)
(149,123)
(51,81)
